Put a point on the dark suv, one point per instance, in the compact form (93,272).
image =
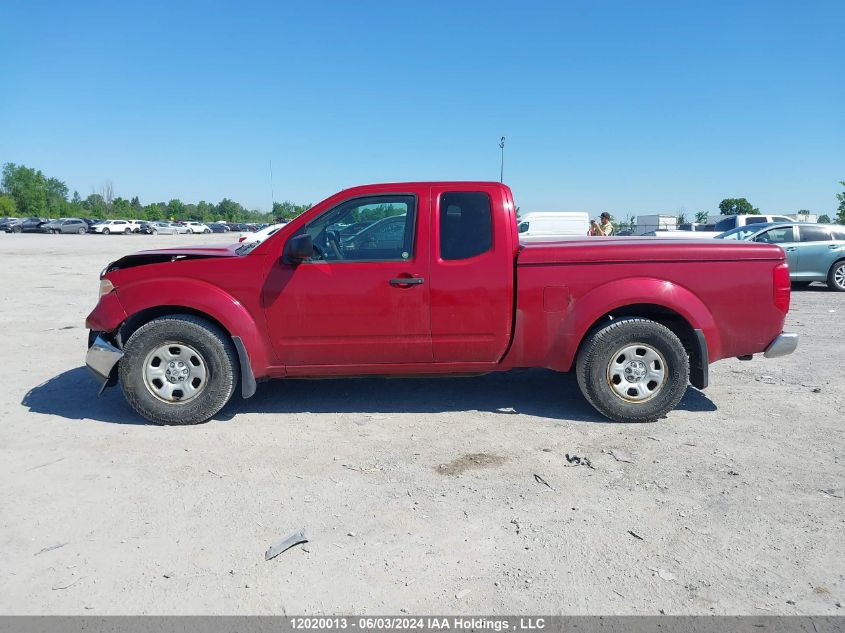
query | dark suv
(27,225)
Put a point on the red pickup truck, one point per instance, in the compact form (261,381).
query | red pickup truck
(431,278)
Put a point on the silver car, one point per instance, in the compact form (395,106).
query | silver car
(814,252)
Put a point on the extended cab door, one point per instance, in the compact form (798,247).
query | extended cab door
(473,250)
(363,297)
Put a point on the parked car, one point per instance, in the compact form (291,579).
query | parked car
(814,252)
(259,236)
(218,227)
(6,222)
(455,293)
(24,225)
(65,225)
(160,228)
(197,227)
(107,227)
(736,221)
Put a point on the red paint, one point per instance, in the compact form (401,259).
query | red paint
(345,318)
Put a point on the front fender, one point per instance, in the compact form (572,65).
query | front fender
(613,295)
(198,296)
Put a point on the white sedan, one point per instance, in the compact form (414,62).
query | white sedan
(197,227)
(259,236)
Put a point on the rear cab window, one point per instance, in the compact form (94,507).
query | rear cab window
(466,224)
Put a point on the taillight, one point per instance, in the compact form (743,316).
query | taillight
(780,282)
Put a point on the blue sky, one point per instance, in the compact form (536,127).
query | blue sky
(629,106)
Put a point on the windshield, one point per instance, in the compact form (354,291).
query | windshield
(740,233)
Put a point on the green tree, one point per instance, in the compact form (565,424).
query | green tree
(27,187)
(56,192)
(681,218)
(122,208)
(229,210)
(840,212)
(824,219)
(737,206)
(701,217)
(7,206)
(176,208)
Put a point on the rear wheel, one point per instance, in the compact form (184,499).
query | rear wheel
(633,370)
(836,277)
(106,231)
(17,229)
(81,231)
(178,369)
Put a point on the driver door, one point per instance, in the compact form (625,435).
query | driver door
(363,297)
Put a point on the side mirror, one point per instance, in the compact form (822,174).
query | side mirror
(300,248)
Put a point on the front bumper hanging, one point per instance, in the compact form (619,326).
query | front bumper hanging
(101,359)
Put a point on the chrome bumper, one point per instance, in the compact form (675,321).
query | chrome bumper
(101,358)
(784,344)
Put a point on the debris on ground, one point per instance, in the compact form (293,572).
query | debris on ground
(50,548)
(769,380)
(169,574)
(635,535)
(662,573)
(831,492)
(577,460)
(516,523)
(540,480)
(67,586)
(620,456)
(277,548)
(733,473)
(506,410)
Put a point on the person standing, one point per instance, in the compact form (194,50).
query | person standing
(602,228)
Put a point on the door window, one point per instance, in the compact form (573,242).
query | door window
(466,224)
(812,233)
(375,228)
(725,225)
(776,236)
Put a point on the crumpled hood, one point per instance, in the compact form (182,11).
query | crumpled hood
(163,255)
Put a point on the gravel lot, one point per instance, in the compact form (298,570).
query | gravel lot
(417,496)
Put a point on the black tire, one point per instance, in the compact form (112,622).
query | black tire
(836,277)
(593,369)
(216,350)
(800,284)
(81,231)
(106,231)
(17,229)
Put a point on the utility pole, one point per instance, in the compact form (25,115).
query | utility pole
(502,166)
(272,193)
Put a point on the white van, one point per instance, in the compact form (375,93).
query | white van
(554,223)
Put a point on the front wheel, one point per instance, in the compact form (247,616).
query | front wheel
(178,369)
(836,277)
(633,370)
(106,231)
(81,231)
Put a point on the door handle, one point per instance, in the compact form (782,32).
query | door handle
(791,249)
(833,247)
(404,282)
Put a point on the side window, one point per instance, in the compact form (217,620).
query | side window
(776,236)
(466,224)
(810,233)
(523,227)
(375,228)
(759,220)
(725,225)
(838,234)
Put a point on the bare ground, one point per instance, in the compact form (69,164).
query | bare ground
(416,495)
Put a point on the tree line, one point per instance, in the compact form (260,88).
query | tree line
(27,192)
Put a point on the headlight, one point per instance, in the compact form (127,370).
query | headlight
(105,287)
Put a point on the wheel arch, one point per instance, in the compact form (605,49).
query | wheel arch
(659,300)
(144,301)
